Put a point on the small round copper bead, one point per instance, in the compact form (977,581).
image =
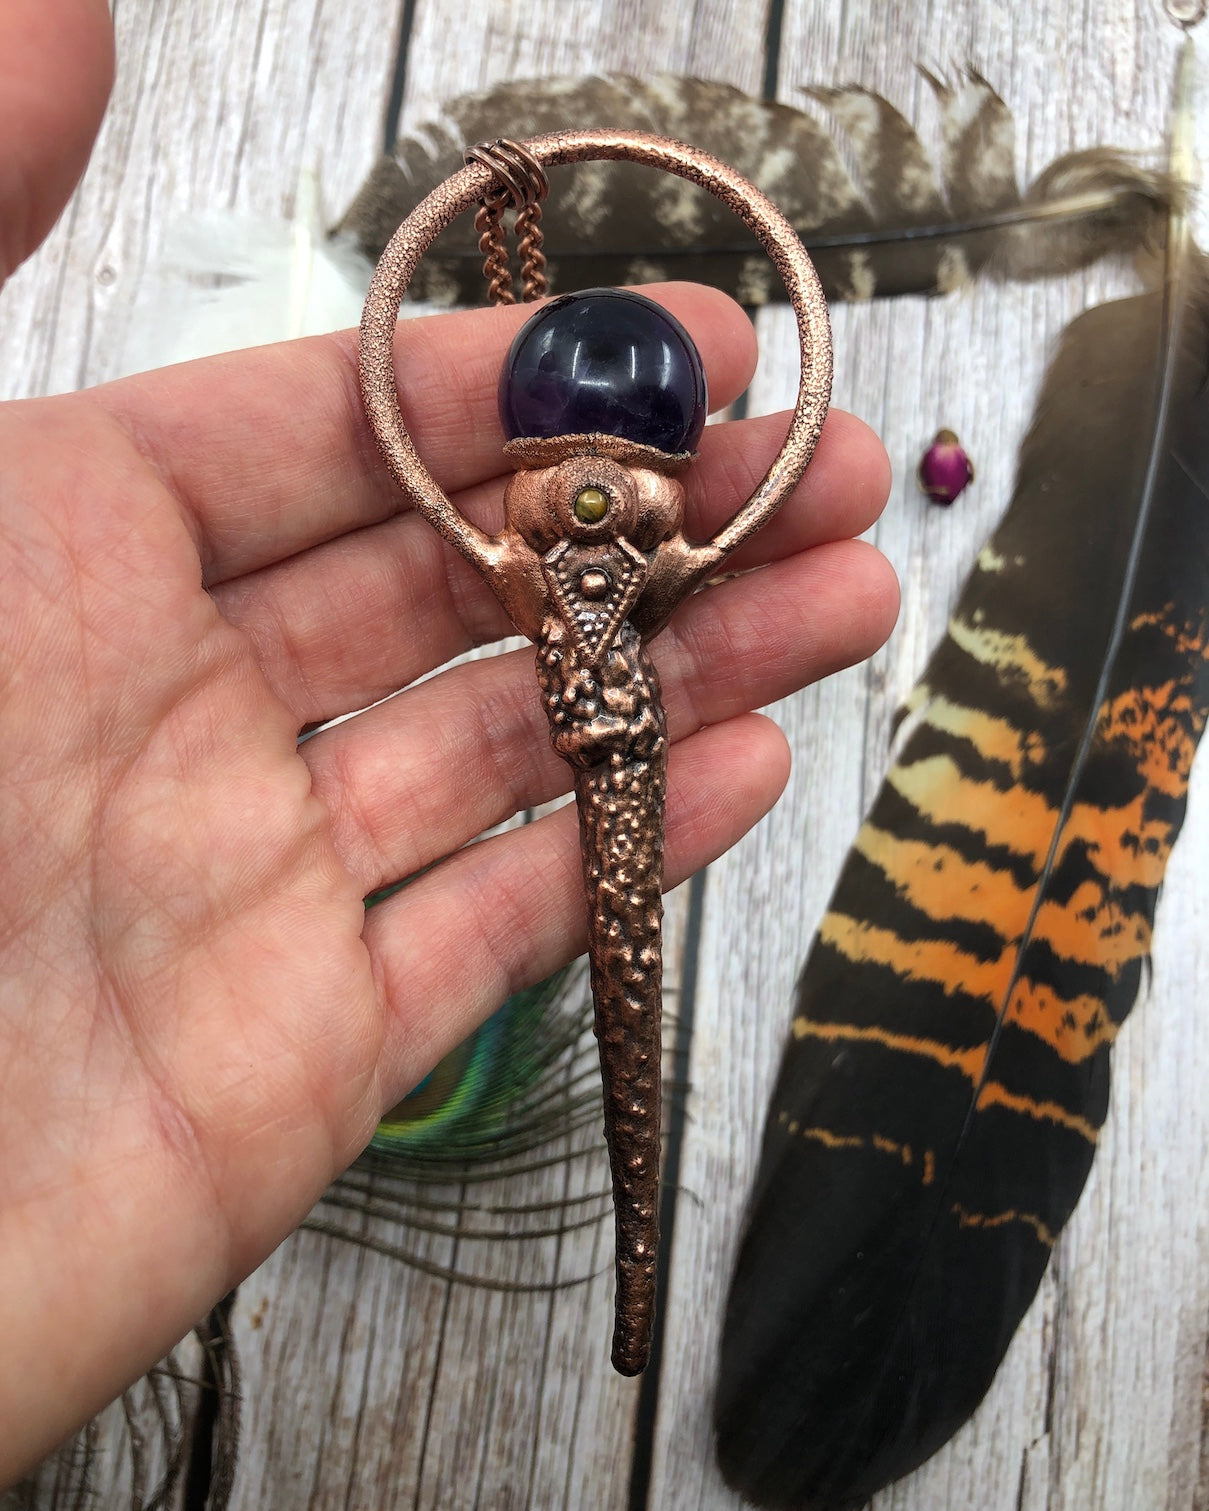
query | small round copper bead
(594,583)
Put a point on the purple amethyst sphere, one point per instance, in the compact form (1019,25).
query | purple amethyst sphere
(605,362)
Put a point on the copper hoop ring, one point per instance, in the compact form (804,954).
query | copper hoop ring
(464,189)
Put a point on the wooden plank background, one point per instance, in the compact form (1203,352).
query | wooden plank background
(372,1386)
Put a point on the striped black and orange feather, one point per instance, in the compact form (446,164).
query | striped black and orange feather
(938,1104)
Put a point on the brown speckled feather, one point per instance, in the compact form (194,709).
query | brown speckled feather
(894,224)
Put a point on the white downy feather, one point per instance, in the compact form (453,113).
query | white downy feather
(227,281)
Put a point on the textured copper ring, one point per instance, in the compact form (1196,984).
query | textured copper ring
(590,563)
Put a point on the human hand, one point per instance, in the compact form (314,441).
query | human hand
(199,1025)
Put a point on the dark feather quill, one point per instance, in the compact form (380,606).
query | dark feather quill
(938,1105)
(893,225)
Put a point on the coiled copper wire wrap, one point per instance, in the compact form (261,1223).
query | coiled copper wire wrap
(520,184)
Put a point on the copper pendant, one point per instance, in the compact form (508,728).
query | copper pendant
(589,565)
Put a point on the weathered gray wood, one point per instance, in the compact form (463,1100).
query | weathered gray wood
(1099,1401)
(216,107)
(369,1385)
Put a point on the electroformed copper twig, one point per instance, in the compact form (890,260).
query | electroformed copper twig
(591,562)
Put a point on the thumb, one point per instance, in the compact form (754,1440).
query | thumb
(56,69)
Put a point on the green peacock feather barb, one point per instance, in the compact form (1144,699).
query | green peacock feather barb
(602,398)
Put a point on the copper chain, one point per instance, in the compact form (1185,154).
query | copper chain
(521,185)
(489,222)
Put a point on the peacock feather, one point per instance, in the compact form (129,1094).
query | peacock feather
(475,1100)
(173,1435)
(452,1158)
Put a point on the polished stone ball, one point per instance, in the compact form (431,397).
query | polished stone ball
(605,362)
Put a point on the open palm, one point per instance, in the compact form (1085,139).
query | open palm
(199,1024)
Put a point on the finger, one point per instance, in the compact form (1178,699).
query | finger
(842,494)
(448,949)
(420,775)
(56,69)
(269,450)
(347,623)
